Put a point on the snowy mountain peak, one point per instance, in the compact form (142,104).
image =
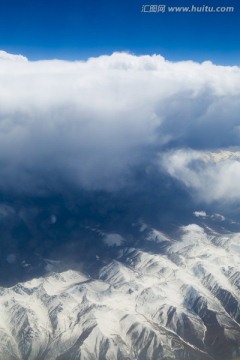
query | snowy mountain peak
(181,304)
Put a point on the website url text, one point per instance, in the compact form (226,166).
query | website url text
(186,9)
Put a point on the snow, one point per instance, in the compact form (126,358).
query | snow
(108,323)
(142,301)
(157,236)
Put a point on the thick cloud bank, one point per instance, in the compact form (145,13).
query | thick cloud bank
(92,123)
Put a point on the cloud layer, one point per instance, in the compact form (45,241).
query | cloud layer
(91,124)
(211,179)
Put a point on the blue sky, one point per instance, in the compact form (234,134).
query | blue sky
(76,29)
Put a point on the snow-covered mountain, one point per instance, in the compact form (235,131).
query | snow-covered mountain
(180,301)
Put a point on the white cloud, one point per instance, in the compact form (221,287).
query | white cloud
(113,239)
(200,213)
(90,123)
(4,56)
(211,180)
(203,214)
(218,217)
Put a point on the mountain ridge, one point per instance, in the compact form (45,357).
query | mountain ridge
(179,304)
